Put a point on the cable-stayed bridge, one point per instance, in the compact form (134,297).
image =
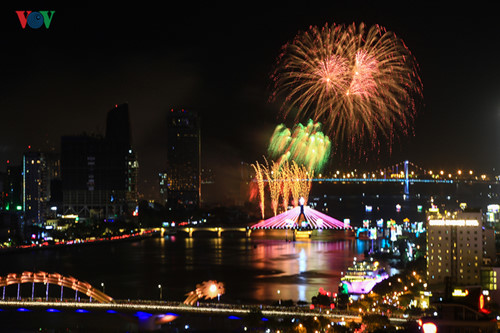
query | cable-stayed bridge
(406,173)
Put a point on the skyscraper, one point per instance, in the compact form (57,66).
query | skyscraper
(34,188)
(99,174)
(122,156)
(13,187)
(39,170)
(118,125)
(182,179)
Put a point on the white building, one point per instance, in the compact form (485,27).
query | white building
(454,248)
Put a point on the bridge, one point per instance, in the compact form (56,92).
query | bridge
(156,310)
(407,173)
(218,230)
(54,279)
(149,315)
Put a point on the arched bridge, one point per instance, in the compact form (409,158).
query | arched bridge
(55,279)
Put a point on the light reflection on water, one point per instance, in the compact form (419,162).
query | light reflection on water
(298,269)
(253,270)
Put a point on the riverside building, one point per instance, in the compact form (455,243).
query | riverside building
(455,248)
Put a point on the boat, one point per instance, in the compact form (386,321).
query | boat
(362,276)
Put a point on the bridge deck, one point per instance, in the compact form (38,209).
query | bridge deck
(207,308)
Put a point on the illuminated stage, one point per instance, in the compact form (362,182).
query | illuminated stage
(301,218)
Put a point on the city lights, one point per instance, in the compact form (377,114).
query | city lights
(268,149)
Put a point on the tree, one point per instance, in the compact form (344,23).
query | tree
(376,322)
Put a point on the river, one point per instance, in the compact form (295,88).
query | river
(253,270)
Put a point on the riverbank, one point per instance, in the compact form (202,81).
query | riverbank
(146,233)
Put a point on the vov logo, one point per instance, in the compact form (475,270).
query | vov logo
(35,19)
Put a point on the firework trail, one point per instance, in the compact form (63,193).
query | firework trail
(361,84)
(282,179)
(300,183)
(259,177)
(286,175)
(306,145)
(274,182)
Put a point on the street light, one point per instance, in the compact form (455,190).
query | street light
(279,301)
(103,289)
(159,287)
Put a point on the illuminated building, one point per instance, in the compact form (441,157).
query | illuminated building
(455,249)
(180,184)
(490,281)
(39,169)
(492,214)
(99,175)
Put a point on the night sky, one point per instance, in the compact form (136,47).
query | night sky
(216,59)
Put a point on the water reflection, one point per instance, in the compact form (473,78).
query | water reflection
(302,261)
(252,270)
(299,269)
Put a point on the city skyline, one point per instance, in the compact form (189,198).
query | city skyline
(64,79)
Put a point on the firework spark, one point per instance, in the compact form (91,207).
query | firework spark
(300,182)
(285,174)
(207,290)
(361,84)
(282,179)
(259,177)
(306,145)
(275,184)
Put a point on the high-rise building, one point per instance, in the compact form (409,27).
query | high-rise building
(118,126)
(13,188)
(39,170)
(99,174)
(455,248)
(182,178)
(119,136)
(11,212)
(34,188)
